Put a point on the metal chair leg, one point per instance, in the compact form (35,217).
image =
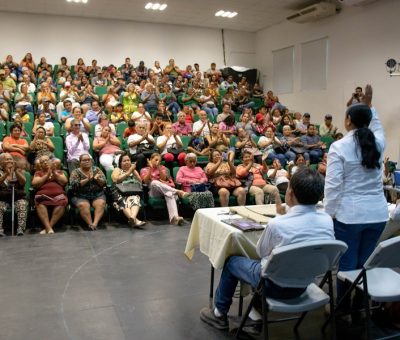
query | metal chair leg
(366,305)
(211,302)
(240,312)
(265,314)
(246,315)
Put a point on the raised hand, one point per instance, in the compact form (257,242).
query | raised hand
(367,99)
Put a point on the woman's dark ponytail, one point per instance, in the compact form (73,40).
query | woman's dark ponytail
(360,116)
(369,151)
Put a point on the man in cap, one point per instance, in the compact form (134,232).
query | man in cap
(99,80)
(327,129)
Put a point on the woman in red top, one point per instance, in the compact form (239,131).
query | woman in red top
(258,186)
(49,183)
(16,146)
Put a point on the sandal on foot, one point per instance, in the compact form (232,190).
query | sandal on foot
(182,194)
(139,223)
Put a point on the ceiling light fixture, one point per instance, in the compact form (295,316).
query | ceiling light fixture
(155,6)
(78,1)
(225,14)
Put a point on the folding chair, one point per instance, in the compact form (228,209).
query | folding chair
(296,266)
(376,279)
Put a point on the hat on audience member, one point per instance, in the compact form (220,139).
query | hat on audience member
(2,72)
(46,99)
(307,115)
(328,116)
(99,71)
(67,84)
(259,117)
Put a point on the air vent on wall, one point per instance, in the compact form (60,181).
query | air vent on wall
(356,2)
(312,13)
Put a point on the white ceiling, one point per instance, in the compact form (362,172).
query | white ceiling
(253,15)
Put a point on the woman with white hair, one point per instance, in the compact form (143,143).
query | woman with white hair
(190,174)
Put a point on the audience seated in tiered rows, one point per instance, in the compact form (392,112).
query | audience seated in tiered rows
(248,142)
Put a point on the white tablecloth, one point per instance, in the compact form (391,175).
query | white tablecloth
(218,240)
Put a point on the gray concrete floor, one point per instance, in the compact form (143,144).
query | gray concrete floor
(115,283)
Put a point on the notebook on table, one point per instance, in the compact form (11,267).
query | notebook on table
(244,224)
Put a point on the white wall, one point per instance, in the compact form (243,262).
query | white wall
(240,48)
(361,39)
(110,41)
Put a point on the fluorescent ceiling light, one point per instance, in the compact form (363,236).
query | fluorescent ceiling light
(226,14)
(155,6)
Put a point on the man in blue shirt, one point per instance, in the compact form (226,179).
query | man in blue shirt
(67,112)
(94,113)
(301,223)
(312,142)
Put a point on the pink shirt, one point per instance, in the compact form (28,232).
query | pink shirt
(109,148)
(155,175)
(187,176)
(182,129)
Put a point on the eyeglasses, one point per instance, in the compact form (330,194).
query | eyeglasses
(77,124)
(85,160)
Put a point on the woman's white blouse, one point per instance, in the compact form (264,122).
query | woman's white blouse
(354,194)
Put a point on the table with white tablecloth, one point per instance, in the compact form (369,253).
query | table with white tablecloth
(218,240)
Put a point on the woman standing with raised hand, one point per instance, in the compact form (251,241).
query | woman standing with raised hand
(353,186)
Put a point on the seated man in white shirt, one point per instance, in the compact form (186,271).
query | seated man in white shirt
(77,144)
(202,126)
(301,223)
(141,116)
(143,138)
